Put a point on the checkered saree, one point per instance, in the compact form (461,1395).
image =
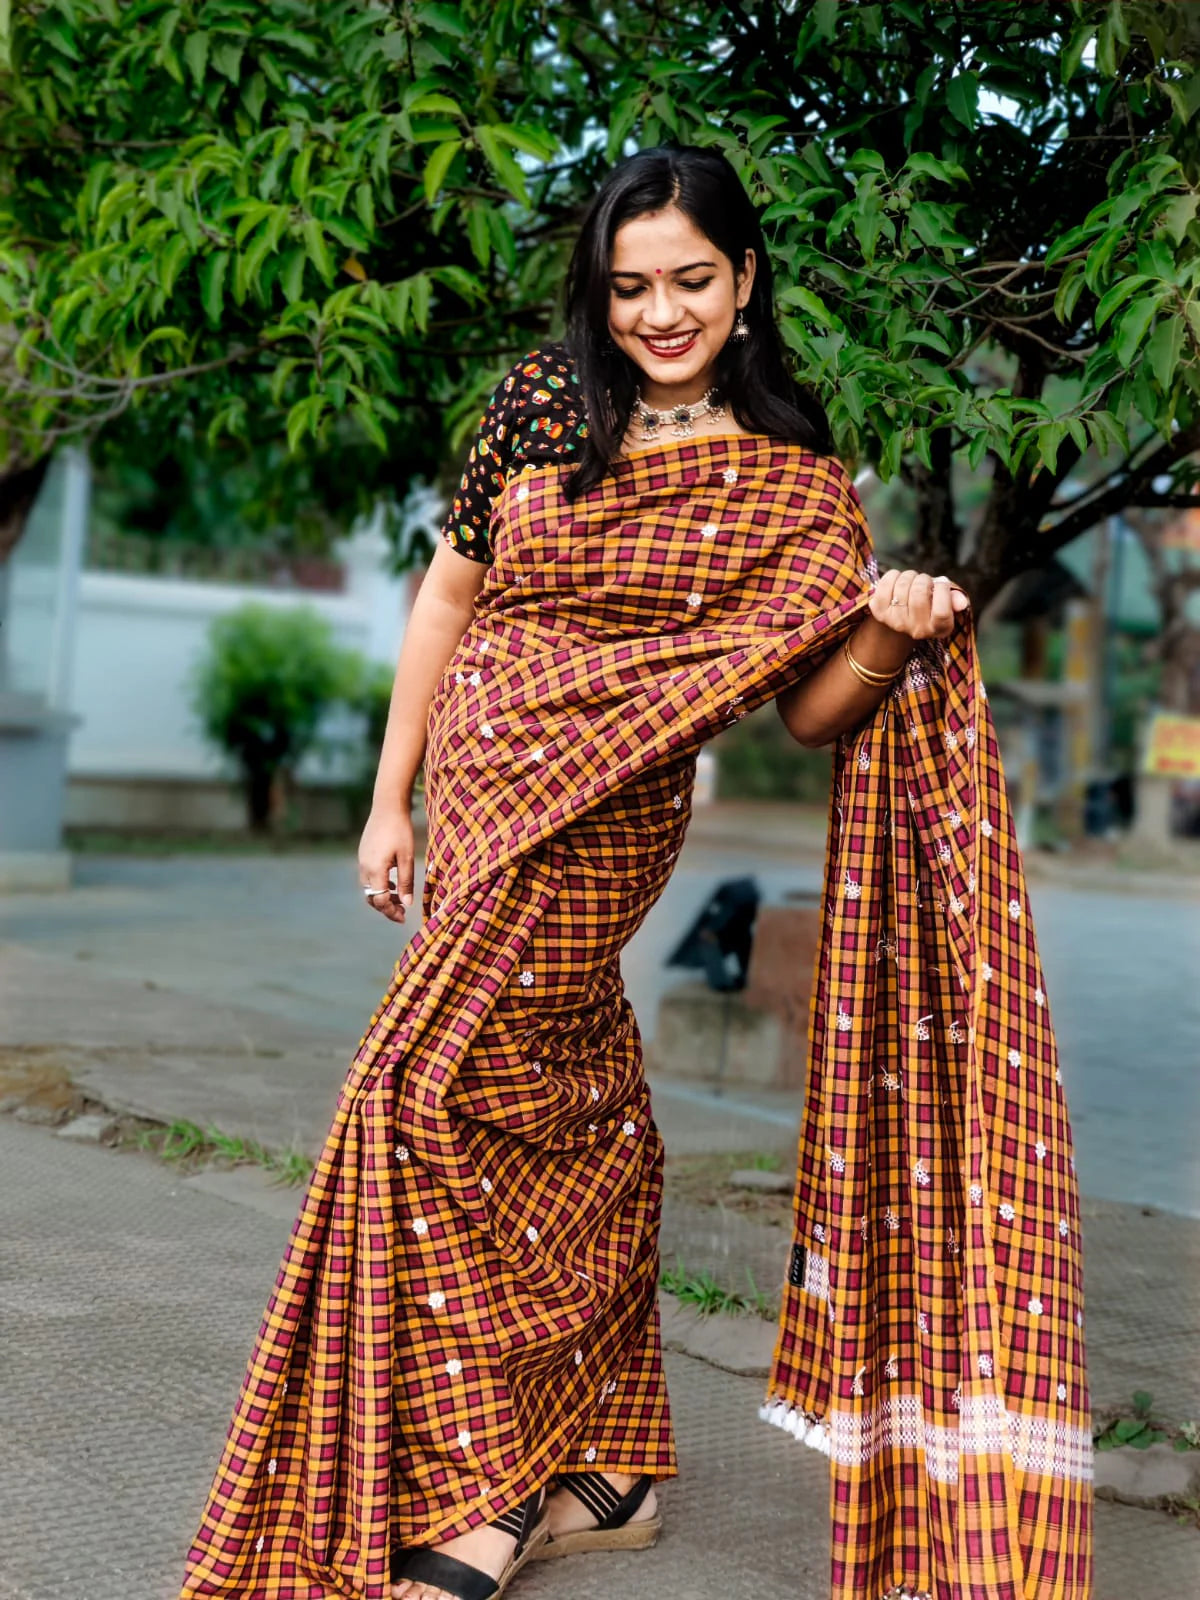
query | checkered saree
(467,1303)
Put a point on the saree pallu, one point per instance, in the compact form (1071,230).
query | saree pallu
(468,1301)
(931,1341)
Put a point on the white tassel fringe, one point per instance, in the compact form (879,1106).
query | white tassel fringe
(808,1430)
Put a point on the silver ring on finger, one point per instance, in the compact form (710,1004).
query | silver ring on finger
(371,893)
(895,603)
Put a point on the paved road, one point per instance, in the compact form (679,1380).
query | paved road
(129,1305)
(288,935)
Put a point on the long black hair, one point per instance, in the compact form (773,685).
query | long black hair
(752,373)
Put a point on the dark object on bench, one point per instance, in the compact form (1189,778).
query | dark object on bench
(721,934)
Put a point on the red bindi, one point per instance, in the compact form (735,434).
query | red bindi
(658,272)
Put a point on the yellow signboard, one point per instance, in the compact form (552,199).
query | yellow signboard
(1173,746)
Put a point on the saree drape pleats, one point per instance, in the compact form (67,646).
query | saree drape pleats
(931,1341)
(467,1303)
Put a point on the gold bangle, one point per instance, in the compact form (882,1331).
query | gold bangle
(874,680)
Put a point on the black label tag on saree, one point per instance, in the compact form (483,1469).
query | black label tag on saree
(796,1270)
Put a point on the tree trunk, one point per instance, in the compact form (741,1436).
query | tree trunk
(1179,640)
(259,786)
(19,487)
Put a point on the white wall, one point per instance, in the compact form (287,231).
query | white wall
(138,638)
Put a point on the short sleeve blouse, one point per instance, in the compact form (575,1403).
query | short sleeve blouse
(535,415)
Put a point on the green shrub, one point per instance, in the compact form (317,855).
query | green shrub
(758,759)
(261,690)
(371,701)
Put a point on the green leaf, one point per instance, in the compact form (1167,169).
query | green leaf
(300,169)
(195,53)
(421,290)
(291,276)
(254,96)
(1098,257)
(962,99)
(1067,242)
(805,300)
(1143,1400)
(531,141)
(933,226)
(444,18)
(1117,296)
(174,253)
(317,248)
(370,425)
(854,399)
(824,15)
(227,58)
(1073,52)
(502,164)
(303,418)
(213,270)
(1069,289)
(927,337)
(438,165)
(893,451)
(1128,1429)
(1049,437)
(479,232)
(1131,329)
(923,164)
(1163,349)
(1177,214)
(1106,53)
(433,104)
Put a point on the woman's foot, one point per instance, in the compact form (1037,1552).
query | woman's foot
(593,1511)
(488,1549)
(488,1552)
(566,1513)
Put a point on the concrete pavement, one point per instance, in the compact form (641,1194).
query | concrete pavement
(130,1300)
(287,938)
(231,990)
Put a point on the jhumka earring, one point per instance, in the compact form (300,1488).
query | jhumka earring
(741,329)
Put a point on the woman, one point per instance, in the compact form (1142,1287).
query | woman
(460,1368)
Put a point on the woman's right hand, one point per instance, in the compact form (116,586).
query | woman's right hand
(385,860)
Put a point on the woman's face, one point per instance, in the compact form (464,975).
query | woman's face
(672,303)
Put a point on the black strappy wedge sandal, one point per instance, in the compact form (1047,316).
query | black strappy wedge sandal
(528,1525)
(613,1511)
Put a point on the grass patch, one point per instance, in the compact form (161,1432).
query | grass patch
(701,1290)
(703,1180)
(1138,1429)
(192,1148)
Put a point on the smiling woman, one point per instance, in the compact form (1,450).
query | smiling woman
(670,309)
(461,1367)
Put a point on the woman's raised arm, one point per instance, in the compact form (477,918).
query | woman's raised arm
(843,692)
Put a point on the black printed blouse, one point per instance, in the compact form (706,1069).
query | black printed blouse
(535,415)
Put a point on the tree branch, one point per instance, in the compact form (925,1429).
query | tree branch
(1126,491)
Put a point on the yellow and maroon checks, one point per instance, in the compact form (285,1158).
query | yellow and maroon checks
(466,1306)
(932,1334)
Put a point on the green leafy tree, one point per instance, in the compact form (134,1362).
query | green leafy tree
(329,225)
(261,690)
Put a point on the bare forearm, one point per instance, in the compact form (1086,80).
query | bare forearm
(441,615)
(903,607)
(832,700)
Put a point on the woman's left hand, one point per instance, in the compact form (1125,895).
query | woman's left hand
(916,605)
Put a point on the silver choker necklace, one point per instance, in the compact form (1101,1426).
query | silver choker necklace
(681,418)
